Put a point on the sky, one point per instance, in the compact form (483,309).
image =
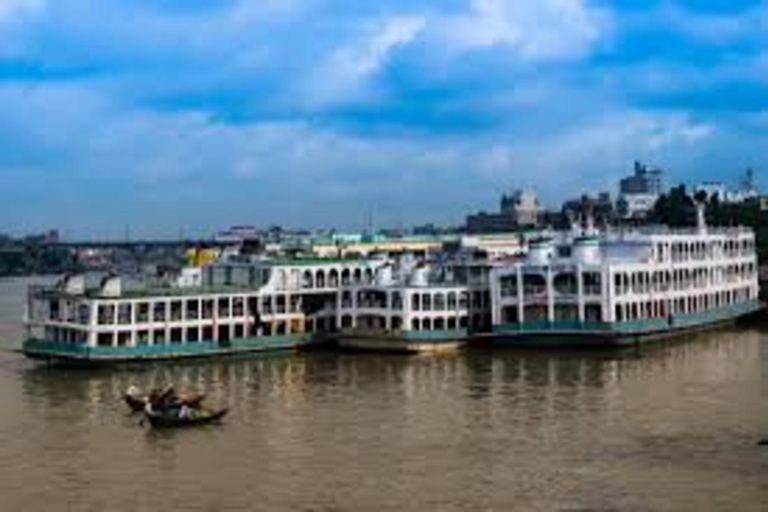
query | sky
(168,115)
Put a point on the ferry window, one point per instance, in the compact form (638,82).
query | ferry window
(237,306)
(159,312)
(159,336)
(142,337)
(452,322)
(333,279)
(53,310)
(123,338)
(439,302)
(416,302)
(207,333)
(307,281)
(193,334)
(451,300)
(358,276)
(175,310)
(84,314)
(509,286)
(193,309)
(396,322)
(124,313)
(426,324)
(142,312)
(463,300)
(176,335)
(439,324)
(280,304)
(239,331)
(619,313)
(416,324)
(207,308)
(426,302)
(105,339)
(397,300)
(320,279)
(224,307)
(106,314)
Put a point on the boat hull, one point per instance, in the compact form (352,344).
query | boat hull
(87,355)
(556,336)
(403,341)
(166,421)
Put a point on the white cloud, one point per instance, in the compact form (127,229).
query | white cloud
(345,70)
(12,9)
(532,29)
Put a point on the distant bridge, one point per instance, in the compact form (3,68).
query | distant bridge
(138,244)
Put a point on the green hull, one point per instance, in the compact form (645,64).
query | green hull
(620,334)
(65,352)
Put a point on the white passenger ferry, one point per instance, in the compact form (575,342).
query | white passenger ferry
(243,305)
(623,288)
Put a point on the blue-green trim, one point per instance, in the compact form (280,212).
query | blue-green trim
(50,349)
(634,326)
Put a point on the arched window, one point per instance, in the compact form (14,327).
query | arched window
(333,278)
(415,324)
(306,280)
(439,302)
(345,277)
(320,279)
(416,302)
(358,276)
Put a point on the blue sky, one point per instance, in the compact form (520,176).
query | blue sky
(197,114)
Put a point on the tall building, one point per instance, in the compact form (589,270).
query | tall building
(517,210)
(638,193)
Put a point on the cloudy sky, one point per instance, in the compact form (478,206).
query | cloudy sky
(197,114)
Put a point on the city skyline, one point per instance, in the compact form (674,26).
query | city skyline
(209,113)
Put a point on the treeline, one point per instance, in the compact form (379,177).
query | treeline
(677,209)
(28,259)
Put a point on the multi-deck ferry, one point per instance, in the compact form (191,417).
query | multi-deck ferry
(626,287)
(242,305)
(568,289)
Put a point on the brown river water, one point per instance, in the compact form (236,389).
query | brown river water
(668,428)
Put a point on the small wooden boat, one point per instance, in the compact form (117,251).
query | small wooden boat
(172,419)
(763,442)
(137,402)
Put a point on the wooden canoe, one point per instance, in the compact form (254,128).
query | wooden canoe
(172,420)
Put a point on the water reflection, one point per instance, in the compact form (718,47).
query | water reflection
(485,429)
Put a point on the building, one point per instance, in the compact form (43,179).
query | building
(600,208)
(744,191)
(638,193)
(517,210)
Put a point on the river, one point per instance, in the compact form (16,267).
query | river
(669,428)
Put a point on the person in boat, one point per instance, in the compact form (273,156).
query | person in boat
(133,391)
